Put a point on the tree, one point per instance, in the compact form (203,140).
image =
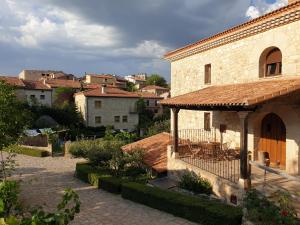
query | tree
(13,116)
(156,79)
(130,87)
(62,95)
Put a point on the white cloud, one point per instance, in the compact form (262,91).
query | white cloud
(261,7)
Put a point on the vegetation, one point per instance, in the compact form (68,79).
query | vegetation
(63,95)
(26,151)
(156,79)
(263,211)
(201,210)
(190,181)
(159,127)
(130,87)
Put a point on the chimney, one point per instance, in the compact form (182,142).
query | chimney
(292,1)
(103,89)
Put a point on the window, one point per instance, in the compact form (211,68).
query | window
(98,104)
(207,121)
(125,119)
(270,63)
(32,96)
(42,97)
(207,75)
(147,102)
(155,111)
(117,119)
(98,119)
(156,103)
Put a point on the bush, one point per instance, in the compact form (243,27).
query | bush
(111,184)
(204,211)
(27,151)
(190,181)
(89,174)
(265,212)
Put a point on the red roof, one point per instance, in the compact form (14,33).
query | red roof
(14,81)
(154,87)
(37,85)
(109,92)
(243,94)
(64,83)
(155,148)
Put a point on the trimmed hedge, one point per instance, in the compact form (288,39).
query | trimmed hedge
(111,184)
(27,151)
(89,174)
(200,210)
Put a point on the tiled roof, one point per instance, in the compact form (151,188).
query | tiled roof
(63,83)
(279,17)
(148,95)
(37,85)
(14,81)
(109,92)
(243,94)
(155,148)
(101,75)
(154,87)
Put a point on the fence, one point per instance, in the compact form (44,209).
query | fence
(203,149)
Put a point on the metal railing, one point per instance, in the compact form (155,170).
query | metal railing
(203,149)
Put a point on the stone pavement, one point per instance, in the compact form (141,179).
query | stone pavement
(43,182)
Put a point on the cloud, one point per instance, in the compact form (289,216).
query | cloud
(261,7)
(107,36)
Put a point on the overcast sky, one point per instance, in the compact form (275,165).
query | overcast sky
(111,36)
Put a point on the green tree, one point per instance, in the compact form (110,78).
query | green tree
(13,117)
(130,87)
(156,79)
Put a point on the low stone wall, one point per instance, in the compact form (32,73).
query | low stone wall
(221,187)
(48,148)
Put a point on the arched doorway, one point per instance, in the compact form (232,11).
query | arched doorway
(273,139)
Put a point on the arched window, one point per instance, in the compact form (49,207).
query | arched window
(270,63)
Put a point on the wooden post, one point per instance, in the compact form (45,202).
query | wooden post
(175,129)
(244,168)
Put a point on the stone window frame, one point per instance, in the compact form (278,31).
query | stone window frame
(125,119)
(207,118)
(207,74)
(270,58)
(98,119)
(98,104)
(117,119)
(42,97)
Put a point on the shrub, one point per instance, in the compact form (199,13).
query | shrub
(201,210)
(111,184)
(264,212)
(190,181)
(27,151)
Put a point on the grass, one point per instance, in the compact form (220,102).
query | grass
(26,151)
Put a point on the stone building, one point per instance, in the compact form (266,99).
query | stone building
(157,90)
(243,93)
(108,106)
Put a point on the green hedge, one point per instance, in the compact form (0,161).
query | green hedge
(204,211)
(89,174)
(111,184)
(27,151)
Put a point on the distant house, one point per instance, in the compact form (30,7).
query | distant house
(105,79)
(157,90)
(139,80)
(152,102)
(30,91)
(108,106)
(44,74)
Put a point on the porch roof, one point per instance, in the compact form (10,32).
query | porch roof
(237,97)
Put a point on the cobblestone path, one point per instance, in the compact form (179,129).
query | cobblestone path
(43,182)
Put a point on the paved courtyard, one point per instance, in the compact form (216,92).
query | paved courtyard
(43,182)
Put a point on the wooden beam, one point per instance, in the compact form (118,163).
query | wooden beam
(175,129)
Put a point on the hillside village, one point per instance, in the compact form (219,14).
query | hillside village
(218,145)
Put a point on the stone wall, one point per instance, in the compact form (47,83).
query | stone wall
(221,187)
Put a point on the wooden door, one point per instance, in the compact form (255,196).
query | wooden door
(273,140)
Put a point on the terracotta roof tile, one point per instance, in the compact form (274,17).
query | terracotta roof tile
(55,83)
(155,150)
(243,94)
(109,92)
(14,81)
(37,85)
(154,87)
(148,95)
